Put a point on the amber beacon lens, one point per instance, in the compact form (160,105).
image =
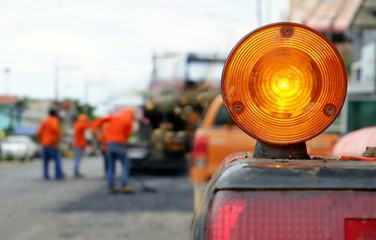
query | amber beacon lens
(284,83)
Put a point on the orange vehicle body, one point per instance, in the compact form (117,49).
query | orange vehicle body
(322,145)
(224,139)
(221,140)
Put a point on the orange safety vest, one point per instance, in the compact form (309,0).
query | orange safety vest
(49,132)
(79,131)
(120,126)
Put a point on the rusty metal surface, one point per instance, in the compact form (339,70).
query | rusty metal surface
(292,151)
(370,152)
(297,174)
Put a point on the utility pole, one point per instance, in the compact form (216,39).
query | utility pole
(259,12)
(86,97)
(6,80)
(57,83)
(87,86)
(58,69)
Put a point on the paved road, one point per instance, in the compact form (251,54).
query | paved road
(31,208)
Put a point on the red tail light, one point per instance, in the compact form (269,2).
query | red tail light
(290,214)
(199,151)
(360,229)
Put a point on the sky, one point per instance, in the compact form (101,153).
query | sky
(99,51)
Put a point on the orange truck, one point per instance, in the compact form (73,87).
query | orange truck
(218,136)
(215,138)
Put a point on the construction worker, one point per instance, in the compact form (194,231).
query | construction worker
(99,131)
(49,134)
(79,143)
(119,129)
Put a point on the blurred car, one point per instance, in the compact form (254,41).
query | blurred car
(19,147)
(355,143)
(1,140)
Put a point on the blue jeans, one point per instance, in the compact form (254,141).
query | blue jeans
(117,151)
(105,162)
(50,152)
(78,153)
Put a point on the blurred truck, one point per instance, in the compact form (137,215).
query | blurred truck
(217,136)
(180,87)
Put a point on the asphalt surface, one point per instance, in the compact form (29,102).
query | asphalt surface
(31,208)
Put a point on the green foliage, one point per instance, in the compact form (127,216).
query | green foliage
(82,108)
(347,60)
